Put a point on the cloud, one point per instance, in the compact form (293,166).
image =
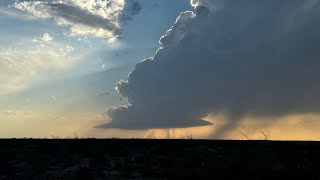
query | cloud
(6,12)
(212,5)
(45,38)
(13,113)
(20,65)
(133,8)
(257,58)
(99,18)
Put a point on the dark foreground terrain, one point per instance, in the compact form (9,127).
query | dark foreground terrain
(158,159)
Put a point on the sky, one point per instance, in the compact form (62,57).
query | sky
(213,69)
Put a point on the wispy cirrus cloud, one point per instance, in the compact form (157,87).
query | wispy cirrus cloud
(21,65)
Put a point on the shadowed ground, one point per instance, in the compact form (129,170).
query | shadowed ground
(157,159)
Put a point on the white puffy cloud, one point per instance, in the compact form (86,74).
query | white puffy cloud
(100,18)
(21,65)
(257,58)
(45,38)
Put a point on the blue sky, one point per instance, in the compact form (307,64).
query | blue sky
(92,68)
(159,68)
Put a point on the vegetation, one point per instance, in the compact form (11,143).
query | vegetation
(157,159)
(248,133)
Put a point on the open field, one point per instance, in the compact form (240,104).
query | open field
(157,159)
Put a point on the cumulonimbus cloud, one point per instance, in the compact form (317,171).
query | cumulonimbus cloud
(100,18)
(258,58)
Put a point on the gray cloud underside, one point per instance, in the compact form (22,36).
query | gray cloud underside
(83,17)
(75,15)
(249,57)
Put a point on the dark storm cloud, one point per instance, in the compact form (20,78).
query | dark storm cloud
(240,58)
